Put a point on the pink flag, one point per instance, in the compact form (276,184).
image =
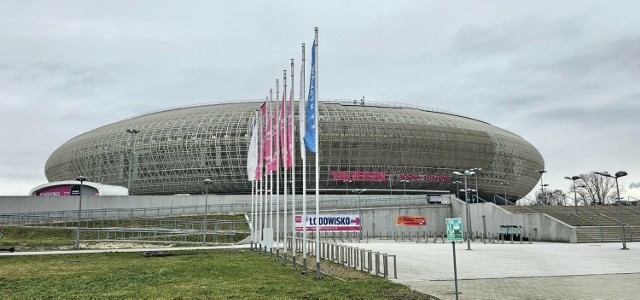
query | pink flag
(274,134)
(266,133)
(260,154)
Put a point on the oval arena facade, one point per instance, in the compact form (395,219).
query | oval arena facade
(384,148)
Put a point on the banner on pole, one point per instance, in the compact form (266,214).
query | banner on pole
(411,221)
(328,223)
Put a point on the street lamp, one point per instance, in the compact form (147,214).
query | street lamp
(346,186)
(616,176)
(404,186)
(544,197)
(476,170)
(575,198)
(505,184)
(81,179)
(207,182)
(360,209)
(466,173)
(133,132)
(457,183)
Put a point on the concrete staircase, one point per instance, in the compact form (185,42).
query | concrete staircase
(593,223)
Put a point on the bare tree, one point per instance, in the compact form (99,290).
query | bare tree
(594,189)
(555,197)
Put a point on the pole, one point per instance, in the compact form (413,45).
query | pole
(317,159)
(303,155)
(575,200)
(293,171)
(277,156)
(466,203)
(81,179)
(206,212)
(624,242)
(360,213)
(455,268)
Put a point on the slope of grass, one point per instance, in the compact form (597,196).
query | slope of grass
(216,274)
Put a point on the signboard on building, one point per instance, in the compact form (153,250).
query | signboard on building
(411,221)
(328,223)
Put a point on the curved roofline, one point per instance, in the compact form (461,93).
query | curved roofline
(103,189)
(344,102)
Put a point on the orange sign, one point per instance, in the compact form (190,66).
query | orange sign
(411,221)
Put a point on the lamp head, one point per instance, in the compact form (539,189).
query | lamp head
(81,178)
(621,174)
(207,181)
(605,174)
(541,171)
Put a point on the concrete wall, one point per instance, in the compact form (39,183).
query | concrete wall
(378,213)
(540,226)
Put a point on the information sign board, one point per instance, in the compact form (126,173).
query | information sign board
(454,229)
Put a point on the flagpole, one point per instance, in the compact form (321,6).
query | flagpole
(303,155)
(263,168)
(276,154)
(284,152)
(253,181)
(269,203)
(293,169)
(317,160)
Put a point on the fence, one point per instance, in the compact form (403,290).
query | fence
(65,216)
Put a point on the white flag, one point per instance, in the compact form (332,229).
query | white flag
(252,156)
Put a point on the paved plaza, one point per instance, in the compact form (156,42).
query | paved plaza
(517,271)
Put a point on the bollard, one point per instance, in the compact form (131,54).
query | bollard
(530,239)
(385,261)
(362,259)
(520,238)
(370,259)
(377,263)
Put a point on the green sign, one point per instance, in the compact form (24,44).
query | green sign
(454,229)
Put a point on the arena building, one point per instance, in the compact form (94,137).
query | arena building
(384,148)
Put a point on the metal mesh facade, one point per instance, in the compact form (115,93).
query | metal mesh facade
(412,148)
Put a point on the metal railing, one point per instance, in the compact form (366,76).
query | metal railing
(66,216)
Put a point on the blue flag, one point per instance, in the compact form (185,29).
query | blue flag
(310,134)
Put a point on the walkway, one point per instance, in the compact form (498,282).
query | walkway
(518,271)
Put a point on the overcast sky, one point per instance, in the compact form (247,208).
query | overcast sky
(564,75)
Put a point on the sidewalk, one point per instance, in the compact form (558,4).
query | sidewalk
(517,271)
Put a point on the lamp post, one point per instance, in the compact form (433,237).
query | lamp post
(466,173)
(616,176)
(476,170)
(81,179)
(505,184)
(360,209)
(133,132)
(544,197)
(346,186)
(457,182)
(575,198)
(206,182)
(404,185)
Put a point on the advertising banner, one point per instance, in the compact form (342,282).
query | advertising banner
(411,221)
(60,190)
(328,223)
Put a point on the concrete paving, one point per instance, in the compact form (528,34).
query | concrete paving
(517,271)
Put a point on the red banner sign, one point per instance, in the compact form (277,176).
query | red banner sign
(411,221)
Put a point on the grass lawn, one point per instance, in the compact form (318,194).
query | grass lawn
(216,274)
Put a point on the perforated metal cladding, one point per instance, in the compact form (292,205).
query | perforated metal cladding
(177,149)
